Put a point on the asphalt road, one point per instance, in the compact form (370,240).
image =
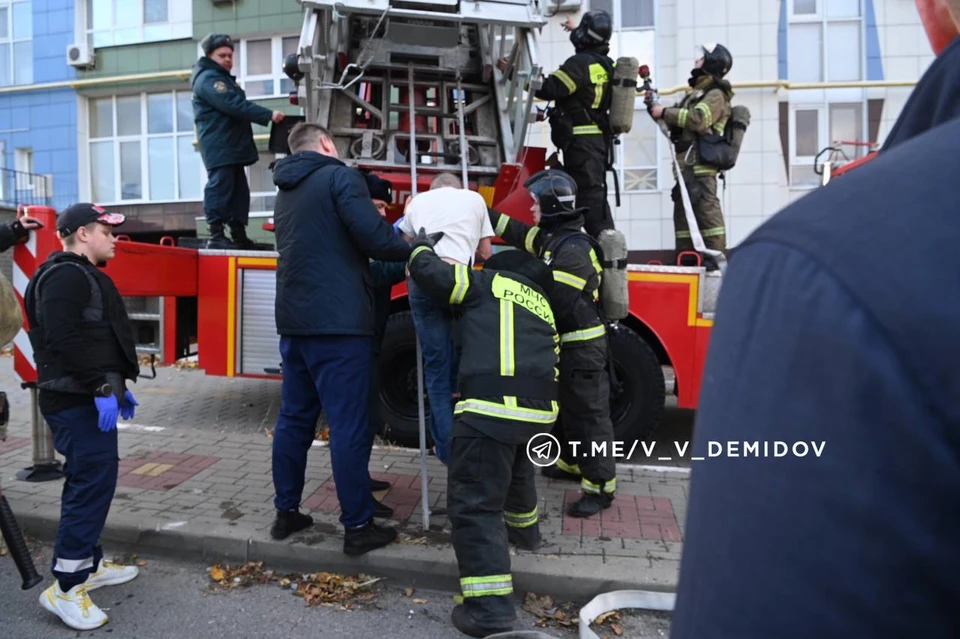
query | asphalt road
(173,599)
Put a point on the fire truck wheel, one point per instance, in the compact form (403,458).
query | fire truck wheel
(398,383)
(638,392)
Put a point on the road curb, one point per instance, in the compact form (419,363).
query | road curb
(577,578)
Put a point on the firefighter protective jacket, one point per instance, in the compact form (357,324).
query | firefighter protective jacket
(576,267)
(508,366)
(704,109)
(581,90)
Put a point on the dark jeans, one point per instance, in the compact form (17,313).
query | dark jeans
(90,480)
(226,198)
(434,324)
(332,371)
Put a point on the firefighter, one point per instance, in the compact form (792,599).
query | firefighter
(84,347)
(222,115)
(704,109)
(579,119)
(584,382)
(508,384)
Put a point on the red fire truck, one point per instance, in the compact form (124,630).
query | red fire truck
(366,74)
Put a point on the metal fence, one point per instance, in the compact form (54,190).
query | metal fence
(18,187)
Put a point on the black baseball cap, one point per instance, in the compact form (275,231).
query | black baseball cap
(85,213)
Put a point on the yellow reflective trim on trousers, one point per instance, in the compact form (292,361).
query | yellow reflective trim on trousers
(704,108)
(703,170)
(486,586)
(528,240)
(714,232)
(588,486)
(682,116)
(568,82)
(683,234)
(502,411)
(502,223)
(461,276)
(569,279)
(573,469)
(587,129)
(507,347)
(584,335)
(521,520)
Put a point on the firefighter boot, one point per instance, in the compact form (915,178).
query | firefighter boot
(526,538)
(468,625)
(555,472)
(238,234)
(589,505)
(218,240)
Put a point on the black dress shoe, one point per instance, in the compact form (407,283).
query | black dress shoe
(371,536)
(381,510)
(378,485)
(288,523)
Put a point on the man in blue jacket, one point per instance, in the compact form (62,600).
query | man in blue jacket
(327,229)
(222,115)
(839,324)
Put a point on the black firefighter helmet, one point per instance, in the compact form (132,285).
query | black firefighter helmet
(595,29)
(717,60)
(556,193)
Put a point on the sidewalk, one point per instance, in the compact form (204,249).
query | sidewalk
(207,495)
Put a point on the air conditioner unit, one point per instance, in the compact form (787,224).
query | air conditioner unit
(80,55)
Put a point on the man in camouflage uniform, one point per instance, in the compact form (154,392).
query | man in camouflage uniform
(704,109)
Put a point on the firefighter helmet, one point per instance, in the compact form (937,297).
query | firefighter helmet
(717,60)
(595,29)
(522,263)
(556,193)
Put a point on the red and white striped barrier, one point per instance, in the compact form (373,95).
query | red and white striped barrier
(27,257)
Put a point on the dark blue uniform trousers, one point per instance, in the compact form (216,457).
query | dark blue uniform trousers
(90,471)
(226,197)
(333,372)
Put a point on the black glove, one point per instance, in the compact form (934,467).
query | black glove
(422,239)
(20,233)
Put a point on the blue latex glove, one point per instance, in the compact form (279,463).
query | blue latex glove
(396,226)
(109,412)
(128,405)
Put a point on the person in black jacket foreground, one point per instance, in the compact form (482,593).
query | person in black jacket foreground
(327,229)
(508,388)
(84,348)
(384,276)
(839,323)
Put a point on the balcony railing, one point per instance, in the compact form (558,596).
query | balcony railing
(18,187)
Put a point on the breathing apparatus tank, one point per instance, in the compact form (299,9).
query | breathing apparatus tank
(623,91)
(614,292)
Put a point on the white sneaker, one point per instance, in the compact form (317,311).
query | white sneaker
(111,574)
(74,607)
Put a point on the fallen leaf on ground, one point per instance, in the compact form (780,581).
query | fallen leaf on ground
(3,552)
(602,618)
(617,630)
(318,588)
(419,601)
(142,563)
(548,614)
(217,574)
(408,592)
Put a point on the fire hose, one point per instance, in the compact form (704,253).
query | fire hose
(17,545)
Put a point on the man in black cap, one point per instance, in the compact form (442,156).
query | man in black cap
(84,348)
(223,115)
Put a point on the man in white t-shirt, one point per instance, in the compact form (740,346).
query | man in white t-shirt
(462,216)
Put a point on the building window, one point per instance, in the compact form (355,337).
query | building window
(263,192)
(628,14)
(814,128)
(16,43)
(23,166)
(119,22)
(825,41)
(258,65)
(141,148)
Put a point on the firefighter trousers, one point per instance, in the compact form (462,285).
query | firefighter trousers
(585,160)
(490,486)
(585,417)
(706,209)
